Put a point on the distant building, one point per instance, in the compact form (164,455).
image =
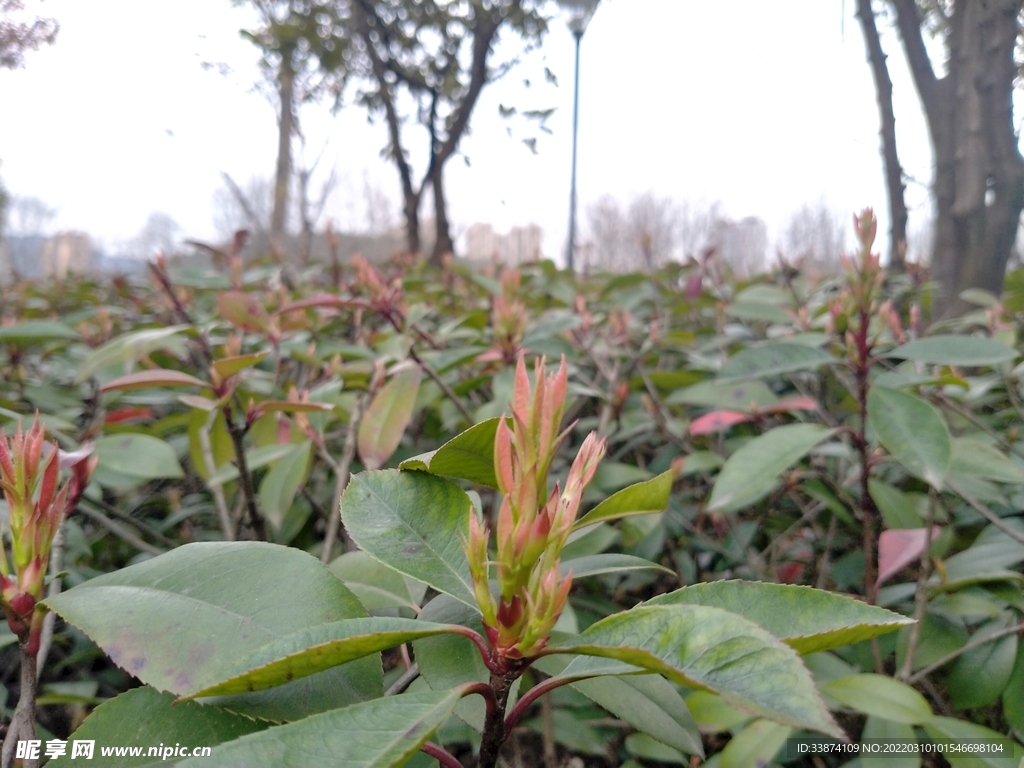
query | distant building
(520,245)
(66,252)
(742,244)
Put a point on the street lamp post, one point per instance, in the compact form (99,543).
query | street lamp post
(578,14)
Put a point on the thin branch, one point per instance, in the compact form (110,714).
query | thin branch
(342,471)
(985,512)
(975,643)
(402,683)
(23,721)
(226,523)
(442,755)
(921,595)
(119,530)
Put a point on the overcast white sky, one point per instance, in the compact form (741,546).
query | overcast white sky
(760,105)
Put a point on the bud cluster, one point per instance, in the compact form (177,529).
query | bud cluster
(532,525)
(29,469)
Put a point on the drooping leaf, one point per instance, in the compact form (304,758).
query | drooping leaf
(144,717)
(773,359)
(314,649)
(414,522)
(880,696)
(808,620)
(647,702)
(289,406)
(467,456)
(900,547)
(256,458)
(383,733)
(639,499)
(955,350)
(753,470)
(386,418)
(594,565)
(709,648)
(282,482)
(154,377)
(137,456)
(913,431)
(179,622)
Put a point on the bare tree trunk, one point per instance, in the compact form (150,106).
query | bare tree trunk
(443,243)
(890,158)
(979,170)
(285,129)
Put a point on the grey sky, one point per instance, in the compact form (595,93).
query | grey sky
(760,105)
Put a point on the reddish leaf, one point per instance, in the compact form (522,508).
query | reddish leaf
(322,300)
(156,377)
(898,548)
(717,421)
(387,417)
(243,311)
(127,414)
(794,403)
(287,406)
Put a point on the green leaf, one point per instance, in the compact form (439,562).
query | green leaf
(950,732)
(755,745)
(229,366)
(376,585)
(129,348)
(955,350)
(137,456)
(896,509)
(180,621)
(649,703)
(1013,695)
(885,730)
(315,649)
(282,482)
(144,717)
(978,677)
(414,522)
(639,499)
(708,648)
(386,418)
(913,431)
(594,565)
(739,396)
(773,359)
(751,472)
(255,458)
(36,330)
(880,696)
(154,377)
(467,456)
(383,733)
(808,620)
(974,457)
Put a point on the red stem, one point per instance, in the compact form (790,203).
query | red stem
(528,698)
(442,755)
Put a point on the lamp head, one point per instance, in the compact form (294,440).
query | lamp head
(578,14)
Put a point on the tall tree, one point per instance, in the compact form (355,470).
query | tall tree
(890,156)
(293,66)
(978,187)
(432,58)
